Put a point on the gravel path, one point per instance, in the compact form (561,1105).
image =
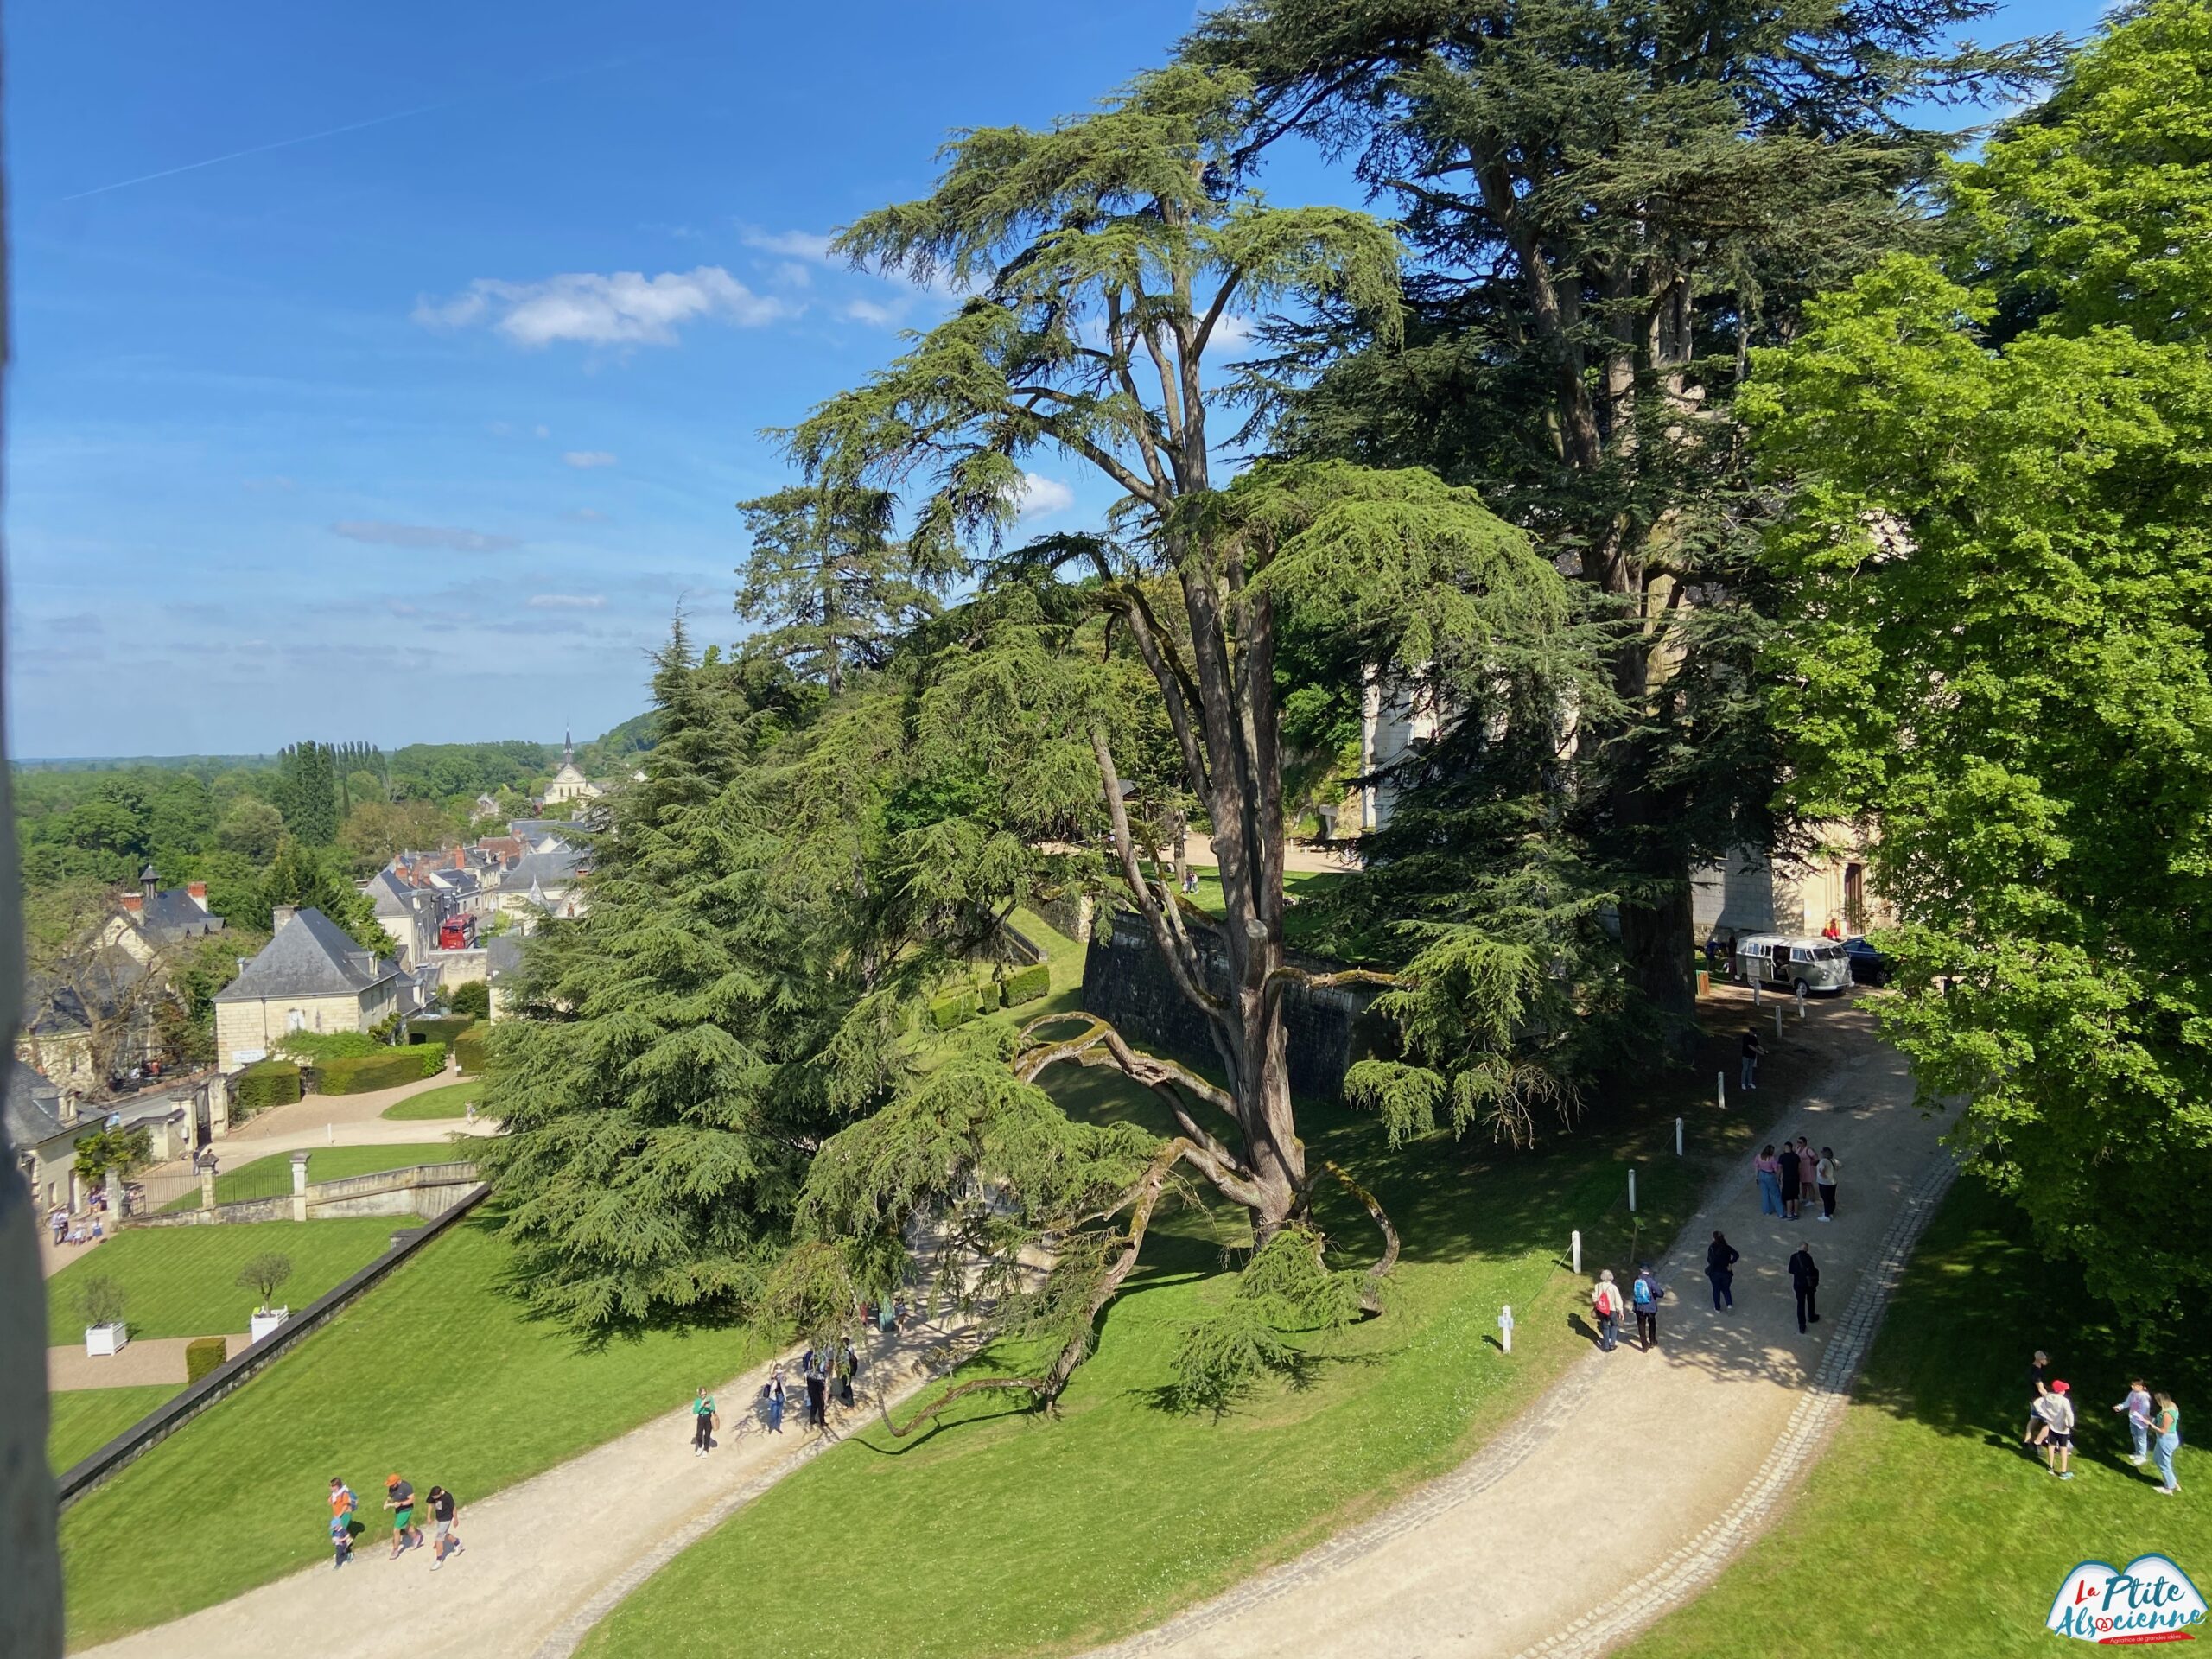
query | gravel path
(1628,1486)
(546,1559)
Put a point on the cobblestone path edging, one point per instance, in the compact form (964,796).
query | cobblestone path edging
(1686,1574)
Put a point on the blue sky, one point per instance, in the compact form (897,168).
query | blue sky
(415,415)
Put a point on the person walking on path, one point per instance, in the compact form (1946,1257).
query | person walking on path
(2031,1437)
(342,1542)
(1766,1169)
(1643,1297)
(2137,1407)
(1606,1303)
(702,1423)
(1787,1171)
(2165,1426)
(771,1400)
(444,1541)
(1805,1279)
(399,1498)
(2057,1414)
(1825,1170)
(1720,1259)
(1747,1076)
(817,1393)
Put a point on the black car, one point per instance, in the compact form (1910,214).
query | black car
(1868,965)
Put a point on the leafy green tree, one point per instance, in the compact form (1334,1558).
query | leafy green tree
(125,1151)
(474,998)
(250,829)
(839,586)
(1999,571)
(264,1274)
(309,876)
(1611,205)
(1102,258)
(307,793)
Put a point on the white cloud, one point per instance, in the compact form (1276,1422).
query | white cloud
(587,459)
(500,429)
(1040,497)
(1230,333)
(625,308)
(381,533)
(876,317)
(568,601)
(542,431)
(794,275)
(793,245)
(587,515)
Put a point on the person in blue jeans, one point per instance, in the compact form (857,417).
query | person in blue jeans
(1720,1259)
(1767,1168)
(2137,1407)
(2166,1425)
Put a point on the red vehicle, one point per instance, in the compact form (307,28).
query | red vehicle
(457,933)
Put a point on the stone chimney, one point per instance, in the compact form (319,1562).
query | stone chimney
(199,891)
(134,904)
(282,914)
(460,860)
(149,882)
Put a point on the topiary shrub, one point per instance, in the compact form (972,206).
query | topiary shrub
(386,1070)
(440,1029)
(265,1083)
(469,1051)
(957,1009)
(470,1001)
(1026,985)
(201,1356)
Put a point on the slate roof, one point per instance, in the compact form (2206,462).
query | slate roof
(311,956)
(33,1107)
(172,913)
(503,956)
(557,869)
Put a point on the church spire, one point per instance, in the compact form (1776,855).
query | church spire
(568,749)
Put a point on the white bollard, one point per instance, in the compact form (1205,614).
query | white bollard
(1777,1023)
(1720,1090)
(1755,994)
(330,1135)
(1801,1002)
(1678,1137)
(1574,1250)
(1631,1191)
(1505,1328)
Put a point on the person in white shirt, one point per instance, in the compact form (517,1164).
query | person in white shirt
(2137,1407)
(2058,1411)
(1606,1303)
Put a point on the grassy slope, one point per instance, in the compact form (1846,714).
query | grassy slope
(1925,1529)
(451,1101)
(436,1373)
(271,1177)
(84,1419)
(182,1282)
(1138,1511)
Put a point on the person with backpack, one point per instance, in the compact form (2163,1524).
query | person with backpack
(1643,1296)
(1720,1259)
(1606,1303)
(771,1400)
(1805,1279)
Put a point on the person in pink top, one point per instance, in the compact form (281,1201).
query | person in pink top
(1809,1169)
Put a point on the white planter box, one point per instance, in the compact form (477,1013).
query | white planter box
(107,1339)
(263,1324)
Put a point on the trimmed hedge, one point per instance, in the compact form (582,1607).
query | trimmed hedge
(958,1009)
(319,1046)
(469,1050)
(385,1070)
(265,1083)
(201,1356)
(437,1028)
(1026,986)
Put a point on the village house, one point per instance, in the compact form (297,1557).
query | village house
(310,976)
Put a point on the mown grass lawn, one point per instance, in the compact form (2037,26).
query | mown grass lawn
(1925,1529)
(84,1419)
(182,1282)
(271,1177)
(452,1100)
(436,1372)
(1001,1533)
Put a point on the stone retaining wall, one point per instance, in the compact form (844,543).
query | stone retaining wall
(1125,984)
(424,1190)
(166,1419)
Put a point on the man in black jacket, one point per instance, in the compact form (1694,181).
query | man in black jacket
(1806,1277)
